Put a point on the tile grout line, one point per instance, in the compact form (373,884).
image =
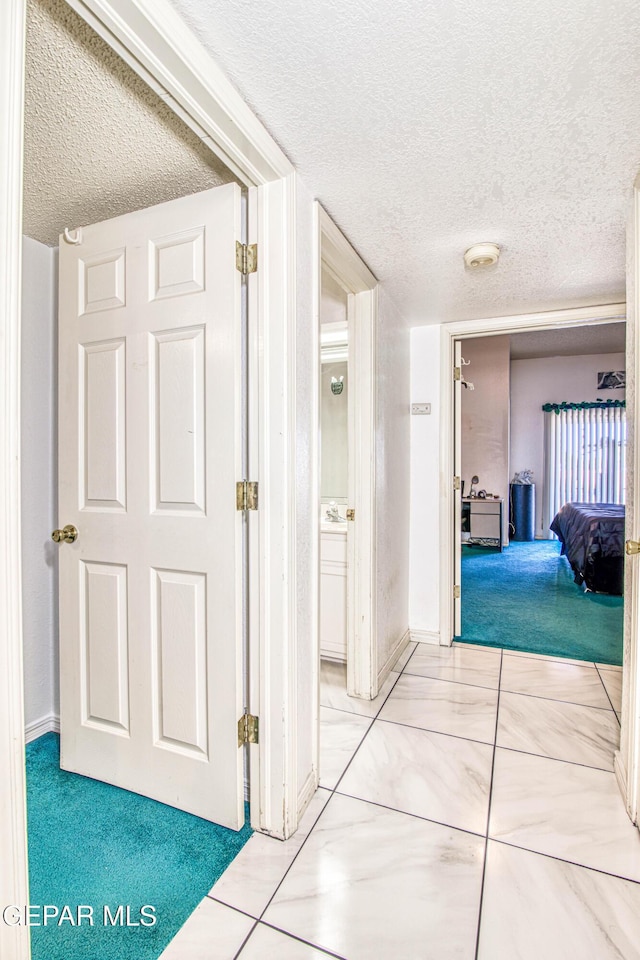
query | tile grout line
(223,903)
(349,713)
(608,697)
(245,941)
(545,756)
(520,693)
(486,842)
(465,683)
(489,743)
(331,794)
(307,943)
(366,733)
(414,816)
(571,863)
(536,696)
(438,733)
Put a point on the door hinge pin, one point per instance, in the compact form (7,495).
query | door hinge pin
(248,729)
(246,257)
(246,495)
(456,591)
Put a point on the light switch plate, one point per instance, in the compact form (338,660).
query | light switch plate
(420,409)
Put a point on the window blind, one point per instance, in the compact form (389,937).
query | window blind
(584,456)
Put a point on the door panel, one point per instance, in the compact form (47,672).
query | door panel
(101,401)
(150,451)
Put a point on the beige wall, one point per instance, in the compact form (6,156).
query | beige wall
(485,417)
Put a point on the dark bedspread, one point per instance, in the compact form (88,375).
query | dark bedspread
(592,537)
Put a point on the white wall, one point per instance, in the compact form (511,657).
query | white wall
(485,418)
(424,575)
(392,477)
(39,482)
(334,431)
(334,480)
(550,380)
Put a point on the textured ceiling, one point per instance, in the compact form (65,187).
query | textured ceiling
(98,141)
(424,126)
(569,342)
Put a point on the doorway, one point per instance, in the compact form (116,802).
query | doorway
(542,426)
(625,759)
(164,259)
(344,474)
(168,57)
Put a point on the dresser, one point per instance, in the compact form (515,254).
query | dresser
(482,519)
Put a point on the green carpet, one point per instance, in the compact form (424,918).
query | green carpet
(525,599)
(91,843)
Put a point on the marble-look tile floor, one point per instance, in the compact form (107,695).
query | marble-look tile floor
(469,812)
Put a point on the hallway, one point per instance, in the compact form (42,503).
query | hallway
(470,811)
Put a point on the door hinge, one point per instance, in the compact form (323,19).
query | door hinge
(456,591)
(457,373)
(351,514)
(246,257)
(456,483)
(246,495)
(247,729)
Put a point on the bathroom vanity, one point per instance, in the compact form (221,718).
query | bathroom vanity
(333,590)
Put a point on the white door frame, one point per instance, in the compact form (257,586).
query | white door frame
(156,43)
(335,253)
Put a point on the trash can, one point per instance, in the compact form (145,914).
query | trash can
(522,511)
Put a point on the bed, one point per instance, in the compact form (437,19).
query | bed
(592,538)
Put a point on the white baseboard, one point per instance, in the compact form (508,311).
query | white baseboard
(426,636)
(35,729)
(396,650)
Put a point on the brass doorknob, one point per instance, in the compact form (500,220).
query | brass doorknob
(631,548)
(68,534)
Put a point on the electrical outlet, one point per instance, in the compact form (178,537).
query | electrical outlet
(420,409)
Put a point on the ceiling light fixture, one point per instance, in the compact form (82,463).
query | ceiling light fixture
(482,255)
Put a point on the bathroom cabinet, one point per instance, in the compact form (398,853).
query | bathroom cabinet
(333,590)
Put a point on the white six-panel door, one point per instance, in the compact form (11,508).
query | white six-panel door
(150,451)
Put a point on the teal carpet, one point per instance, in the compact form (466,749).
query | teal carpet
(525,599)
(91,843)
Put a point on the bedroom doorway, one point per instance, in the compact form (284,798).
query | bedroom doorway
(540,422)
